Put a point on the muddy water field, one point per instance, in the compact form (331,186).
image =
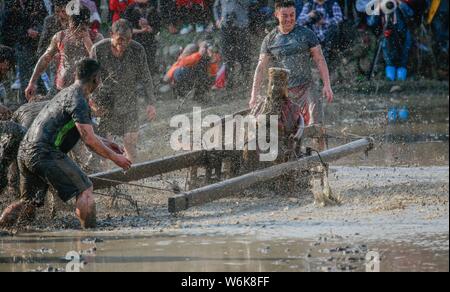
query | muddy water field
(394,215)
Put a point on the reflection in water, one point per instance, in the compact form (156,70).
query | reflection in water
(406,144)
(208,254)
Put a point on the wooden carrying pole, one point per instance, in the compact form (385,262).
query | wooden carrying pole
(149,169)
(232,186)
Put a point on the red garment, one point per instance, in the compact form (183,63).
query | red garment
(301,97)
(192,60)
(118,7)
(221,78)
(291,117)
(189,3)
(95,27)
(189,61)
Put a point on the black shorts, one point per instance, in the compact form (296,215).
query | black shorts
(61,173)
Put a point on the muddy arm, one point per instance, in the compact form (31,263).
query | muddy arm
(322,66)
(91,141)
(259,77)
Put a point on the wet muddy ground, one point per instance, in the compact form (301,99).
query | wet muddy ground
(395,203)
(173,252)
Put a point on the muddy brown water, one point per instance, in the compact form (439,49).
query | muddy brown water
(84,253)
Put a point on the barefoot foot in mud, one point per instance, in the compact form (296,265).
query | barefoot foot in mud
(16,213)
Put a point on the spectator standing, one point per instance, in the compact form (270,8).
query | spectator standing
(146,22)
(22,27)
(192,12)
(438,18)
(169,15)
(232,18)
(397,39)
(324,18)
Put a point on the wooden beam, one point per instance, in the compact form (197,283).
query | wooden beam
(149,169)
(232,186)
(159,166)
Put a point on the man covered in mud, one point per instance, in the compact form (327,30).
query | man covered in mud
(14,131)
(126,77)
(291,46)
(144,17)
(13,127)
(42,155)
(70,45)
(11,134)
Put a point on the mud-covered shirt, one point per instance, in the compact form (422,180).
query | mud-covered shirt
(123,78)
(292,51)
(54,128)
(26,114)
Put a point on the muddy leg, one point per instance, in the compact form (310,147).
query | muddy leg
(16,213)
(86,209)
(13,180)
(52,204)
(130,142)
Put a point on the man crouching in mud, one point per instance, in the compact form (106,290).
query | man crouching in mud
(11,134)
(43,159)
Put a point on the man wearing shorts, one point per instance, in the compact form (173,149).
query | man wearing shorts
(291,46)
(43,159)
(126,77)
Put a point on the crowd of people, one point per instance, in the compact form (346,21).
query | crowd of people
(28,26)
(100,59)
